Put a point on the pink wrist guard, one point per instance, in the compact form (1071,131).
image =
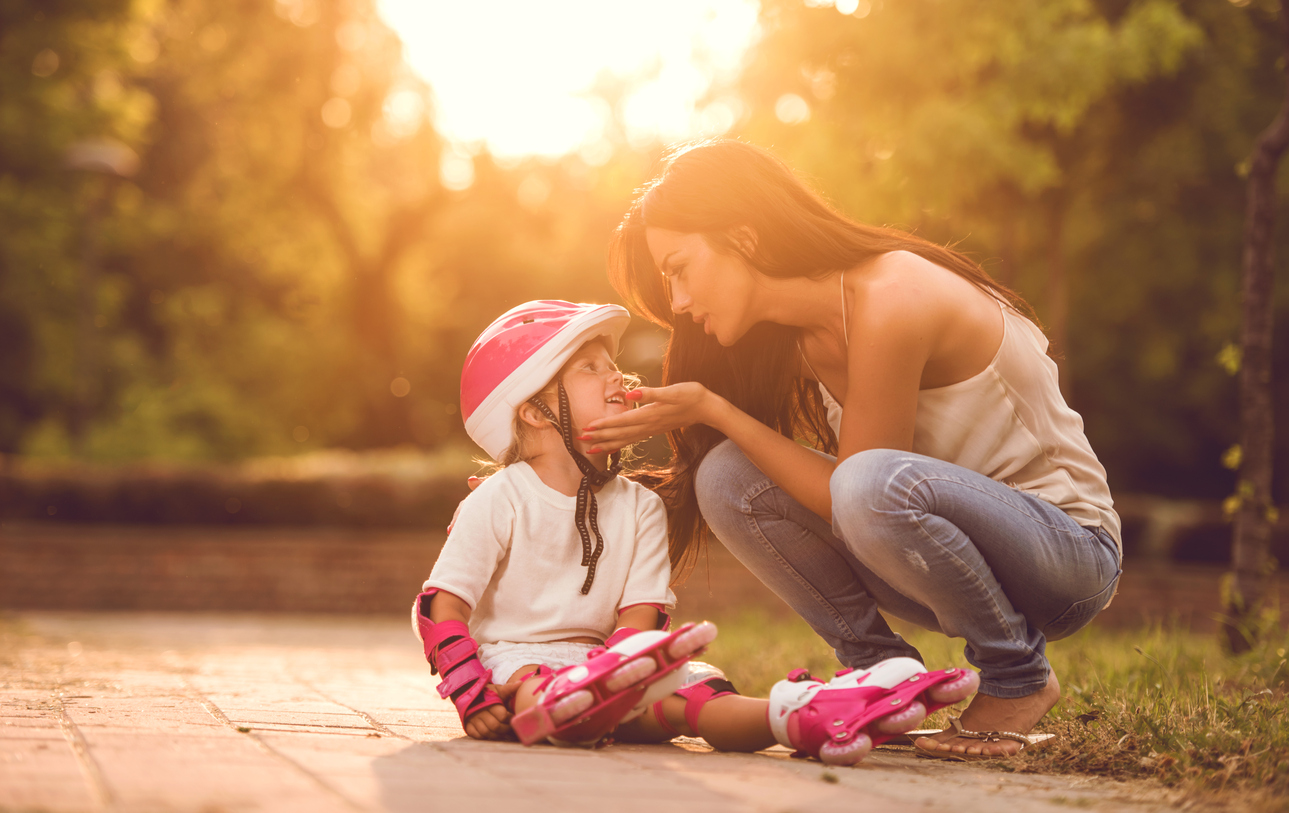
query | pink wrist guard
(453,654)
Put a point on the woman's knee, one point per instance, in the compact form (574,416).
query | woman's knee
(863,485)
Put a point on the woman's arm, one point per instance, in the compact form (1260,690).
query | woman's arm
(899,316)
(801,472)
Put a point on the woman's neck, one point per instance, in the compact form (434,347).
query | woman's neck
(813,305)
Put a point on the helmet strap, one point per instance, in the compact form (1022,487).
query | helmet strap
(586,504)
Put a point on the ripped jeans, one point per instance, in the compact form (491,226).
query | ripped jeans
(926,541)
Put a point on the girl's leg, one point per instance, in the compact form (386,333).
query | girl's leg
(526,695)
(793,551)
(994,565)
(728,723)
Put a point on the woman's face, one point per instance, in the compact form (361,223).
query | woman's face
(713,288)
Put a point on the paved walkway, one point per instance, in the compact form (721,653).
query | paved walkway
(236,713)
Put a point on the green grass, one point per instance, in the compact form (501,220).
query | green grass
(1155,703)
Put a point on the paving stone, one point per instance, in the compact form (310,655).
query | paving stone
(320,714)
(38,769)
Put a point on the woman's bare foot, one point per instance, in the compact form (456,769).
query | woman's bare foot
(985,713)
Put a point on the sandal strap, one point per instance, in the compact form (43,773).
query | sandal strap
(989,736)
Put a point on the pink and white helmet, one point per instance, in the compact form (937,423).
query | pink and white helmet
(519,353)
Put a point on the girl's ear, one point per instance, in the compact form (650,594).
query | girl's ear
(532,416)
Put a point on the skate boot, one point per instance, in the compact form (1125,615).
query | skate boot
(580,704)
(839,722)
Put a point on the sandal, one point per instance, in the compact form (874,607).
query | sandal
(1025,740)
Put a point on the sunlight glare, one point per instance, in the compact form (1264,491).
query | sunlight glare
(517,76)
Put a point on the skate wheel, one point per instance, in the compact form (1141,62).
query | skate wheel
(955,690)
(691,641)
(568,708)
(847,753)
(906,719)
(629,675)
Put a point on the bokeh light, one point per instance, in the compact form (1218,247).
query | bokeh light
(517,76)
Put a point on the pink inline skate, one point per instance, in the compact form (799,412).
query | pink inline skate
(580,704)
(840,721)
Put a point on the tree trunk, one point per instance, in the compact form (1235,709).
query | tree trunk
(1250,559)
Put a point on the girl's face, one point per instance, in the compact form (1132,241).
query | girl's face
(594,385)
(714,288)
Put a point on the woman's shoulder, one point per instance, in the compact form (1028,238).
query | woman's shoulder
(905,285)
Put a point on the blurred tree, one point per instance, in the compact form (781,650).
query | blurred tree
(1085,149)
(286,269)
(1255,512)
(58,86)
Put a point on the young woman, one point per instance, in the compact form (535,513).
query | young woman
(951,487)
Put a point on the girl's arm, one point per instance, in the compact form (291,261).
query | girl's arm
(638,617)
(492,722)
(444,606)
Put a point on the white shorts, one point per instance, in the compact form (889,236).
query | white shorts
(504,657)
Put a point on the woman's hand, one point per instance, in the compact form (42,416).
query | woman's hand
(661,409)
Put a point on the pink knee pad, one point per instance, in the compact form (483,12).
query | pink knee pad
(840,721)
(582,703)
(703,683)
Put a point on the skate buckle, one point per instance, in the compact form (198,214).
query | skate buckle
(915,679)
(798,675)
(895,702)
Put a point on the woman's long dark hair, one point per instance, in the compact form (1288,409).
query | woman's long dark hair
(712,188)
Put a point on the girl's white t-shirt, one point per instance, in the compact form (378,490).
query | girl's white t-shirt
(514,555)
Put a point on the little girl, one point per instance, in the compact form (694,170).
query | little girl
(546,610)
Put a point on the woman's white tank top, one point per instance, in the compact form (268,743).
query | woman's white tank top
(1011,423)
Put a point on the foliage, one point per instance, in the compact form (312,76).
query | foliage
(287,259)
(1087,152)
(286,252)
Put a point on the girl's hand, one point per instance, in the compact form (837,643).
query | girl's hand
(492,723)
(662,409)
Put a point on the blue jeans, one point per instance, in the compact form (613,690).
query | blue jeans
(924,540)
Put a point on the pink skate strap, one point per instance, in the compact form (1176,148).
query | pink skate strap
(464,676)
(619,635)
(696,696)
(700,694)
(540,671)
(662,720)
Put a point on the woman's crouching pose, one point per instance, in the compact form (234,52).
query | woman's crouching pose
(545,613)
